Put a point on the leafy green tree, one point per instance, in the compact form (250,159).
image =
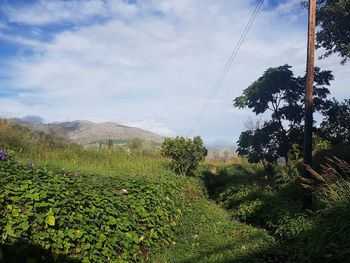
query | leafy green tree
(333,19)
(184,152)
(277,91)
(336,125)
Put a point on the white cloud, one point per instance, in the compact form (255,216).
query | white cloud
(45,12)
(154,60)
(153,126)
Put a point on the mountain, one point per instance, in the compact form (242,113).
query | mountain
(88,133)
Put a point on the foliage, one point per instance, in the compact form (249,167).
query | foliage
(279,92)
(184,153)
(90,218)
(268,197)
(336,125)
(33,147)
(333,19)
(253,198)
(208,234)
(25,141)
(203,230)
(321,157)
(332,193)
(277,177)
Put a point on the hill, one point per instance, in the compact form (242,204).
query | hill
(90,134)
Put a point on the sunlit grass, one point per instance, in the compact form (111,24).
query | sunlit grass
(107,162)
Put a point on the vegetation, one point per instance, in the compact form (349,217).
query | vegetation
(60,202)
(121,202)
(336,125)
(270,197)
(86,217)
(184,153)
(279,92)
(84,205)
(333,18)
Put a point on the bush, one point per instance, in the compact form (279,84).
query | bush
(278,177)
(185,153)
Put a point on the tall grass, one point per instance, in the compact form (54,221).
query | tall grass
(331,187)
(44,149)
(107,162)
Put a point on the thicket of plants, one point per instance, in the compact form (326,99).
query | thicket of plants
(270,197)
(81,216)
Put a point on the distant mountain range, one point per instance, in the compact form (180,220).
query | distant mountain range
(88,133)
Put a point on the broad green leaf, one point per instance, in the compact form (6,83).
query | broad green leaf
(50,220)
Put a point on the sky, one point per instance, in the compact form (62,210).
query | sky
(147,63)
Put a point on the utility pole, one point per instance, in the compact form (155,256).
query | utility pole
(307,198)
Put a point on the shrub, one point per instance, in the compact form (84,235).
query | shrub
(278,177)
(185,153)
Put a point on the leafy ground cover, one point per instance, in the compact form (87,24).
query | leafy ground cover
(85,217)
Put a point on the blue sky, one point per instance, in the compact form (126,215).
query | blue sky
(150,63)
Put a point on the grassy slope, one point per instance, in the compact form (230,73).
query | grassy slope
(207,234)
(204,231)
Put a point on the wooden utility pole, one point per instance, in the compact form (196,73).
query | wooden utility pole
(307,198)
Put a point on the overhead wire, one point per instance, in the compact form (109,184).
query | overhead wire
(227,66)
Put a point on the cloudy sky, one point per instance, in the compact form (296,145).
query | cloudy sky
(146,63)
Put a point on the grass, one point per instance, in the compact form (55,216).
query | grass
(208,234)
(107,162)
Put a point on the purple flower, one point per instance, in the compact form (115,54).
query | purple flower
(77,174)
(3,155)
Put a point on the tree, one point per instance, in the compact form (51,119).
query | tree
(336,125)
(184,152)
(333,19)
(282,94)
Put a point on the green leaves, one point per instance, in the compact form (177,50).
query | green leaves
(333,19)
(184,152)
(281,94)
(85,216)
(50,220)
(33,196)
(24,226)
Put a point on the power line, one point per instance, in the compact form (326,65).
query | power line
(228,65)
